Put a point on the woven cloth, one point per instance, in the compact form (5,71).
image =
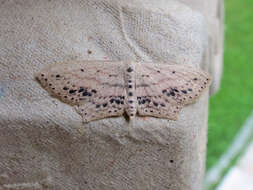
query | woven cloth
(45,145)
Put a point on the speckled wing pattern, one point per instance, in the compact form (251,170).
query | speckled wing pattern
(95,88)
(100,89)
(162,90)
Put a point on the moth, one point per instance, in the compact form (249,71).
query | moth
(101,89)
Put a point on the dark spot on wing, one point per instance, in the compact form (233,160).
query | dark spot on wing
(155,103)
(85,93)
(72,91)
(113,75)
(97,106)
(94,91)
(130,94)
(82,70)
(81,90)
(184,91)
(57,76)
(129,69)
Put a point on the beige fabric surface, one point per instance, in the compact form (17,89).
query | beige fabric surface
(43,142)
(216,43)
(213,10)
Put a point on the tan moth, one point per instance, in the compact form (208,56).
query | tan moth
(101,89)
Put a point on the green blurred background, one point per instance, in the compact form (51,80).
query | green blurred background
(231,106)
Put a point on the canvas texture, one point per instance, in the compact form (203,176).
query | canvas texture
(45,145)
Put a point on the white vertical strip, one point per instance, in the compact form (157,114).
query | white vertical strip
(213,175)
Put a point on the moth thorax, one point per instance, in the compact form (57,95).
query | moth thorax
(130,90)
